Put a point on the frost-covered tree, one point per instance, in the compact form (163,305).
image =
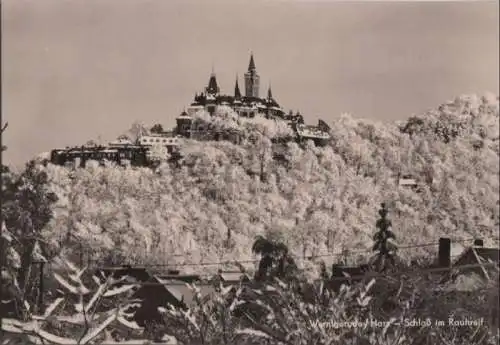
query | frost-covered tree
(88,309)
(384,246)
(123,137)
(92,143)
(158,154)
(137,130)
(217,190)
(26,210)
(275,261)
(157,128)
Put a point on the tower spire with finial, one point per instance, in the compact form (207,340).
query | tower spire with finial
(237,93)
(269,92)
(212,87)
(252,79)
(251,64)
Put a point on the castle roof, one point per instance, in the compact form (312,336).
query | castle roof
(237,93)
(212,87)
(251,65)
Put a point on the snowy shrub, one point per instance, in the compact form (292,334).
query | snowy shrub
(376,312)
(76,315)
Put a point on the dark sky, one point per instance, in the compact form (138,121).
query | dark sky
(74,70)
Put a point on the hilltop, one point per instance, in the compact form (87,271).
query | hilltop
(318,199)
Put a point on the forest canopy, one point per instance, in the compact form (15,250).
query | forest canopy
(317,199)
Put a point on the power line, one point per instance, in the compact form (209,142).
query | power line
(309,257)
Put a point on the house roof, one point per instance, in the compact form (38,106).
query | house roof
(171,286)
(487,254)
(183,292)
(185,278)
(234,276)
(407,182)
(478,255)
(140,274)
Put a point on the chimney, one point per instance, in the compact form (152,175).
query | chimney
(478,243)
(337,270)
(444,259)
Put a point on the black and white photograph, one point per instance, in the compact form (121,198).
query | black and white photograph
(275,172)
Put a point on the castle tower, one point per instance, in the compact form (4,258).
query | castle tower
(212,88)
(212,91)
(237,93)
(252,80)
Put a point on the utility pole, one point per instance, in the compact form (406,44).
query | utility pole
(41,306)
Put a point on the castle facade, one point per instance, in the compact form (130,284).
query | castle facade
(248,105)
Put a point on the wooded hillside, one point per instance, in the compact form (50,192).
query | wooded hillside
(319,200)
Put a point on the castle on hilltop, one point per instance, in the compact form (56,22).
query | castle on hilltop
(138,152)
(248,105)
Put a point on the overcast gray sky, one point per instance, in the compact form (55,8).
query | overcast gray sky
(76,70)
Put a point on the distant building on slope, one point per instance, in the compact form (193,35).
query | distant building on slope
(407,181)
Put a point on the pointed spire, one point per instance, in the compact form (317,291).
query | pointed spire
(269,92)
(251,65)
(212,87)
(237,93)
